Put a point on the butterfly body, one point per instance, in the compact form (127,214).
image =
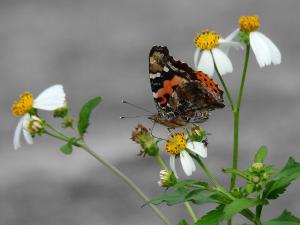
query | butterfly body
(181,94)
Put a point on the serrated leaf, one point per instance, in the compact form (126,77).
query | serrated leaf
(213,217)
(183,222)
(282,180)
(291,169)
(84,114)
(238,205)
(261,154)
(199,197)
(67,148)
(170,198)
(236,172)
(286,218)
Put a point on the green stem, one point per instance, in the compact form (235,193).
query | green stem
(127,180)
(161,162)
(56,134)
(186,204)
(191,211)
(231,102)
(207,172)
(237,119)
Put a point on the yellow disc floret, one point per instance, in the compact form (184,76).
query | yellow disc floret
(176,143)
(206,40)
(23,105)
(249,23)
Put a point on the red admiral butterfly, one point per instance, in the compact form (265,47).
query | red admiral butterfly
(181,94)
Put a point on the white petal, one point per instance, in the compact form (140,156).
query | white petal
(52,98)
(274,51)
(233,35)
(17,135)
(260,49)
(198,147)
(187,163)
(172,165)
(206,63)
(27,135)
(196,57)
(222,61)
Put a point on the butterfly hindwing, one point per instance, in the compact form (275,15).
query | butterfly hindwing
(181,95)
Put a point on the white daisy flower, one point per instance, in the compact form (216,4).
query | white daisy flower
(50,99)
(265,51)
(177,146)
(210,49)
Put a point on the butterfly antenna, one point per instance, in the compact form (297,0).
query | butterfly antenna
(132,117)
(136,106)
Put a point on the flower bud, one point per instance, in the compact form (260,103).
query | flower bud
(68,122)
(167,179)
(257,167)
(249,188)
(61,112)
(255,179)
(35,125)
(196,133)
(142,136)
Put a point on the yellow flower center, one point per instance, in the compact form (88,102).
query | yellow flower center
(249,23)
(206,40)
(176,143)
(23,105)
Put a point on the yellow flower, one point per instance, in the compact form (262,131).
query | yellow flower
(212,49)
(50,99)
(179,145)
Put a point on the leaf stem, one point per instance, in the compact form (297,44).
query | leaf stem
(126,179)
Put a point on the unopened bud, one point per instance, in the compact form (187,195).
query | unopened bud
(167,179)
(142,136)
(257,167)
(196,133)
(35,125)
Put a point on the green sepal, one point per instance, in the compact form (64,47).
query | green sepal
(261,154)
(84,115)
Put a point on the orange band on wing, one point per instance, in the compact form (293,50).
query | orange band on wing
(210,83)
(167,88)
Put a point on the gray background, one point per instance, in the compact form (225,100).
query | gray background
(101,48)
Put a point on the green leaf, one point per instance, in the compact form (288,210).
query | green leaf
(172,198)
(183,222)
(238,205)
(84,114)
(213,217)
(199,184)
(67,148)
(261,154)
(291,169)
(236,172)
(199,197)
(286,218)
(282,180)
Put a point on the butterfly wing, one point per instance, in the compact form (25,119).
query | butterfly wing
(181,95)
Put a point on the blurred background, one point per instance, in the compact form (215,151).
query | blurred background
(101,47)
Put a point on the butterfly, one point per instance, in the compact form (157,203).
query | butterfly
(181,95)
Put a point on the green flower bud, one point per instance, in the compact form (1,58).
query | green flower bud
(167,179)
(265,177)
(257,167)
(68,122)
(237,192)
(142,136)
(249,188)
(61,112)
(255,179)
(196,133)
(35,125)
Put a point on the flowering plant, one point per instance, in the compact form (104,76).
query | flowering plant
(262,181)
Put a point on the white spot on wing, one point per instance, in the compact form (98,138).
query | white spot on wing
(154,75)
